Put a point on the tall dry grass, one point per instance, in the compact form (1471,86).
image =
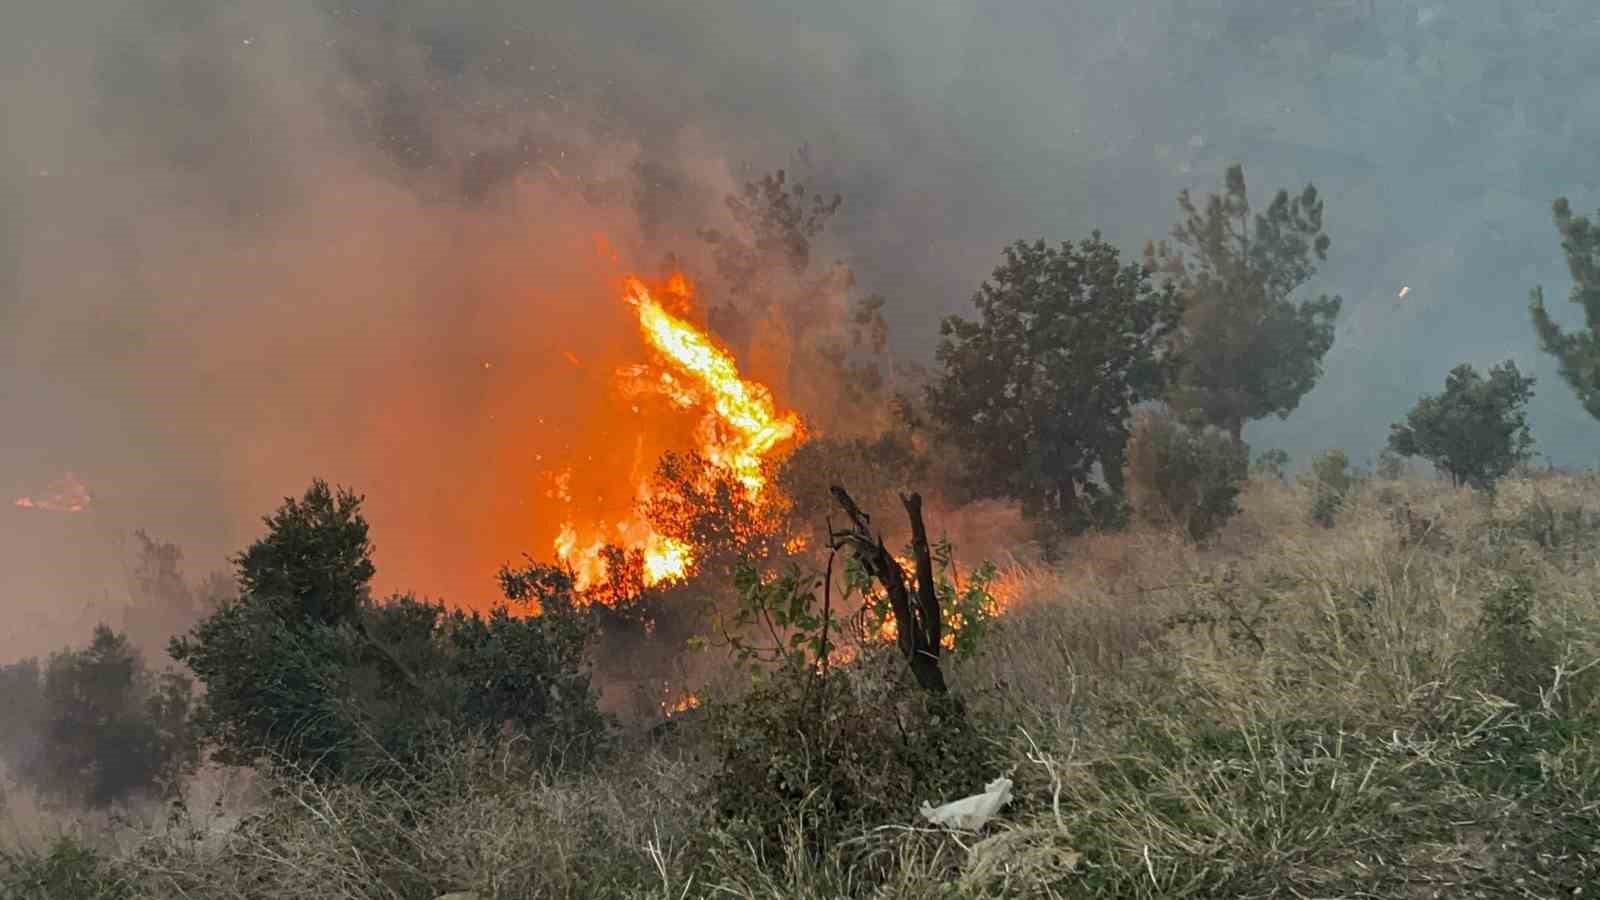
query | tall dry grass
(1401,705)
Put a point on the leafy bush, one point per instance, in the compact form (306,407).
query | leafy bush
(1184,477)
(825,756)
(1271,464)
(1331,481)
(303,668)
(1517,660)
(1476,431)
(93,727)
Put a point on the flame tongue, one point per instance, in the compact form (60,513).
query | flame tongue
(67,494)
(743,420)
(739,429)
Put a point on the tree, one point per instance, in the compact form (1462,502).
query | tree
(1038,392)
(1189,478)
(1476,431)
(1577,352)
(315,561)
(350,687)
(1246,349)
(94,727)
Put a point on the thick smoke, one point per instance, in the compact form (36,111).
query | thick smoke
(245,244)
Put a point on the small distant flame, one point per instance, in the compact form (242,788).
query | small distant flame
(683,704)
(66,494)
(1404,291)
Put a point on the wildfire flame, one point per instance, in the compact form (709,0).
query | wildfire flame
(66,494)
(739,429)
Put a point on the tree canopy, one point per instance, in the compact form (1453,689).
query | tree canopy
(1476,431)
(1577,352)
(1037,393)
(1246,349)
(315,561)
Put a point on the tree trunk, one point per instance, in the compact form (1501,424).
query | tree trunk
(917,620)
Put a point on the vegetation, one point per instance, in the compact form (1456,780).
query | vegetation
(1336,712)
(1577,352)
(1331,482)
(1037,393)
(1476,431)
(93,727)
(1246,350)
(1183,477)
(304,670)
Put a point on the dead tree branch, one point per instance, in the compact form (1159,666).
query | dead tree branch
(917,620)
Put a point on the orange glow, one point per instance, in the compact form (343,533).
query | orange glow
(683,704)
(67,494)
(739,429)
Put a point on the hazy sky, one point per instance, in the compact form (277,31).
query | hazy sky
(242,244)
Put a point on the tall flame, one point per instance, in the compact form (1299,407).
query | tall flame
(739,429)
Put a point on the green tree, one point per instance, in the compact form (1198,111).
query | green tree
(1577,352)
(1038,392)
(315,561)
(355,695)
(1246,350)
(1476,431)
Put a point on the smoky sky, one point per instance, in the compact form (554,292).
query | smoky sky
(244,244)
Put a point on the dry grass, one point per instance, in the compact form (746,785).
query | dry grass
(1291,711)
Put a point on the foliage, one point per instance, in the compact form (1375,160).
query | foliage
(878,469)
(1246,350)
(1184,477)
(1515,657)
(967,610)
(1391,466)
(776,223)
(1476,431)
(315,561)
(66,870)
(1037,393)
(822,757)
(1577,352)
(1271,464)
(93,727)
(706,507)
(1331,480)
(369,694)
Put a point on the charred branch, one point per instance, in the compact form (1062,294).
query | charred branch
(917,619)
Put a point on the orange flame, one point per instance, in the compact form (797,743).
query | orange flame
(67,494)
(739,429)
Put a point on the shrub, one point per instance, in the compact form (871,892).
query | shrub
(1183,477)
(358,700)
(302,667)
(825,756)
(1331,481)
(67,870)
(93,727)
(1271,464)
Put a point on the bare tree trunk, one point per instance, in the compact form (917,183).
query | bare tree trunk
(918,623)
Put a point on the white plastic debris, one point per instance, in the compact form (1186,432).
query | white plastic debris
(971,813)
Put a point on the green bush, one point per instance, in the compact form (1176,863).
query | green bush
(1271,464)
(828,755)
(93,727)
(1184,477)
(304,669)
(1331,481)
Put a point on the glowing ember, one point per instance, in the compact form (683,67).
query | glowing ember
(683,704)
(67,494)
(740,428)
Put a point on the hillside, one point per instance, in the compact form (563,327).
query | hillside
(1402,705)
